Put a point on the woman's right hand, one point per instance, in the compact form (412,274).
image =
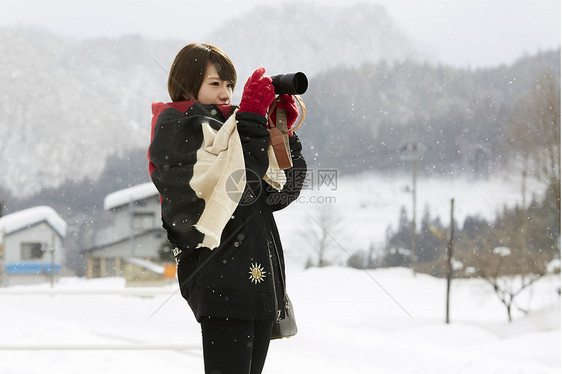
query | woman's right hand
(258,93)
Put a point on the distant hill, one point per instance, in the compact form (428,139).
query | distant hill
(70,104)
(314,39)
(358,119)
(365,118)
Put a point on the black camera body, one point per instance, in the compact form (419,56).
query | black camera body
(291,83)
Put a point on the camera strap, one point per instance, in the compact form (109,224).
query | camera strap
(279,140)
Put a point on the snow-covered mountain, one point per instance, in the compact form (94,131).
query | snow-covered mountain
(68,104)
(312,38)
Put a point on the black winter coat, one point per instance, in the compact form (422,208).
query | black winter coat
(243,277)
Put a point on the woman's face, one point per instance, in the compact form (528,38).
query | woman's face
(213,89)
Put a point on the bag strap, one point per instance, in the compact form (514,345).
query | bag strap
(285,296)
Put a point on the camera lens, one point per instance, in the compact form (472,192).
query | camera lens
(292,83)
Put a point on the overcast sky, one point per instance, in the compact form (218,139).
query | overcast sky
(467,33)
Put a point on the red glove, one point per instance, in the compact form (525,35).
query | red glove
(288,103)
(258,93)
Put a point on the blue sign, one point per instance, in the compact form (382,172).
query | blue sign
(32,268)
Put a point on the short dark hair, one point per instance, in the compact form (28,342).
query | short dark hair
(189,66)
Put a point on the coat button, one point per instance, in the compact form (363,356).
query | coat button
(236,244)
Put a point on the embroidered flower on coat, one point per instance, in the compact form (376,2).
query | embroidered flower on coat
(257,273)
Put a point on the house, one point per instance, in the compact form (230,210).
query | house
(136,233)
(31,246)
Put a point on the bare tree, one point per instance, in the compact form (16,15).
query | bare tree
(499,269)
(319,234)
(534,132)
(505,255)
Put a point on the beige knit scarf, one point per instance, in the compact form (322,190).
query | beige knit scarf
(219,178)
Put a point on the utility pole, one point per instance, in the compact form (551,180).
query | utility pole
(450,261)
(53,263)
(3,280)
(523,189)
(132,226)
(412,155)
(414,213)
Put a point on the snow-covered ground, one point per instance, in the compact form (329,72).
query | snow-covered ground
(350,321)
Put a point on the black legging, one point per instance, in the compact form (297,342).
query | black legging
(235,346)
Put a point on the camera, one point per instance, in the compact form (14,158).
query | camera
(291,83)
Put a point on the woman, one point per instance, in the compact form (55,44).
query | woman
(219,187)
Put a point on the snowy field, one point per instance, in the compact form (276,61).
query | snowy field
(347,324)
(350,321)
(365,206)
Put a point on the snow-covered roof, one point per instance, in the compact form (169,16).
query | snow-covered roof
(29,217)
(124,197)
(145,264)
